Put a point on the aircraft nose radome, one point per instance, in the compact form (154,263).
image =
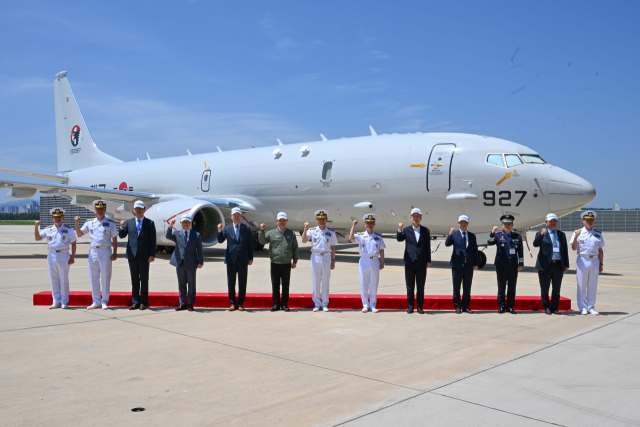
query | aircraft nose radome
(568,192)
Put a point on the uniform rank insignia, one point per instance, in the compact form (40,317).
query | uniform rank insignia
(105,224)
(65,231)
(376,238)
(327,233)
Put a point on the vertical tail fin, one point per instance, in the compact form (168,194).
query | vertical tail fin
(76,149)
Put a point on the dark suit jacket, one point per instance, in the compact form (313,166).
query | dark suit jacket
(463,256)
(503,255)
(238,251)
(143,245)
(415,252)
(192,253)
(545,255)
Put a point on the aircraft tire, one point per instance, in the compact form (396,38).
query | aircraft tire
(482,260)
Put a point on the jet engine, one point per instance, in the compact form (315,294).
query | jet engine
(206,217)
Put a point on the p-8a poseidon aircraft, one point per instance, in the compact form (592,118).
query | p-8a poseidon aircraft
(444,174)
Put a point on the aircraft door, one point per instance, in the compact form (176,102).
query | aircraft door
(206,180)
(439,168)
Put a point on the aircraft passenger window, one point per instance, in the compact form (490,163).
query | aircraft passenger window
(512,160)
(532,158)
(326,171)
(495,159)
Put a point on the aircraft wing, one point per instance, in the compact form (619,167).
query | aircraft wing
(26,189)
(57,178)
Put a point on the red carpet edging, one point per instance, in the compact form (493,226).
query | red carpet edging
(337,301)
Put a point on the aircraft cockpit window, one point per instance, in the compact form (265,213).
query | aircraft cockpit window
(512,160)
(532,158)
(495,159)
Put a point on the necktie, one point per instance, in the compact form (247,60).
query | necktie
(464,236)
(237,232)
(185,238)
(554,242)
(138,225)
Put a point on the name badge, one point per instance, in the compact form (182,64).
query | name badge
(512,251)
(556,249)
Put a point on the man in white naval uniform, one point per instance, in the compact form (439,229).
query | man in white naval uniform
(371,248)
(104,248)
(590,262)
(58,237)
(323,258)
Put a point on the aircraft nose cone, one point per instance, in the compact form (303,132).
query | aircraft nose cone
(568,192)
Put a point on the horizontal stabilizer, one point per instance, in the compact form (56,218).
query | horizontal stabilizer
(60,179)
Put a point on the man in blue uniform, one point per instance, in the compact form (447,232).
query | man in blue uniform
(464,260)
(509,260)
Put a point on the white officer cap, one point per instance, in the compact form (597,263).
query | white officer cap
(138,204)
(463,218)
(369,218)
(100,204)
(550,216)
(57,212)
(322,213)
(236,210)
(281,215)
(186,217)
(588,215)
(416,210)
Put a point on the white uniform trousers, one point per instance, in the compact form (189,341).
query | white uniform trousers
(100,271)
(321,273)
(587,270)
(369,279)
(59,273)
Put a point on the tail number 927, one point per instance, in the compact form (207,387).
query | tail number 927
(504,198)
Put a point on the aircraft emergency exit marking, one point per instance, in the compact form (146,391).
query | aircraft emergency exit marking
(419,166)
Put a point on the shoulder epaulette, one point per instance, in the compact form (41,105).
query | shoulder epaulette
(577,230)
(361,233)
(312,228)
(598,231)
(51,226)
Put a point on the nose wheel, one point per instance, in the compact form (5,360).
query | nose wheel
(482,259)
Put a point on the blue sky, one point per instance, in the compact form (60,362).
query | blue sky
(560,77)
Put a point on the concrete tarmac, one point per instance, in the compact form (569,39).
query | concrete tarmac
(214,367)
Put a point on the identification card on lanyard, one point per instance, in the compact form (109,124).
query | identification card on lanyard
(556,250)
(512,251)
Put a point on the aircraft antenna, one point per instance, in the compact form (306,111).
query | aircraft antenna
(279,142)
(148,157)
(189,152)
(219,150)
(323,138)
(373,132)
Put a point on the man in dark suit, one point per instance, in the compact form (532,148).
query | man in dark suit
(417,258)
(509,261)
(141,250)
(187,258)
(238,257)
(464,260)
(552,263)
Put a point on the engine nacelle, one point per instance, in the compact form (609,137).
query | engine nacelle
(206,218)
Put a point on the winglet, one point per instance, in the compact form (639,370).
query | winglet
(219,150)
(323,138)
(189,152)
(280,142)
(373,132)
(148,157)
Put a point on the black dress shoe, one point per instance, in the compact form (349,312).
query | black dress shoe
(134,307)
(502,310)
(285,308)
(275,308)
(547,311)
(182,307)
(421,311)
(556,312)
(143,307)
(468,310)
(458,310)
(410,310)
(511,310)
(190,308)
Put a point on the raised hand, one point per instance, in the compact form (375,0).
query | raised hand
(37,223)
(451,232)
(400,226)
(122,223)
(262,226)
(355,222)
(495,228)
(306,225)
(77,219)
(219,227)
(543,231)
(577,232)
(173,221)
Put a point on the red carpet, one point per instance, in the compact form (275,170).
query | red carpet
(337,301)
